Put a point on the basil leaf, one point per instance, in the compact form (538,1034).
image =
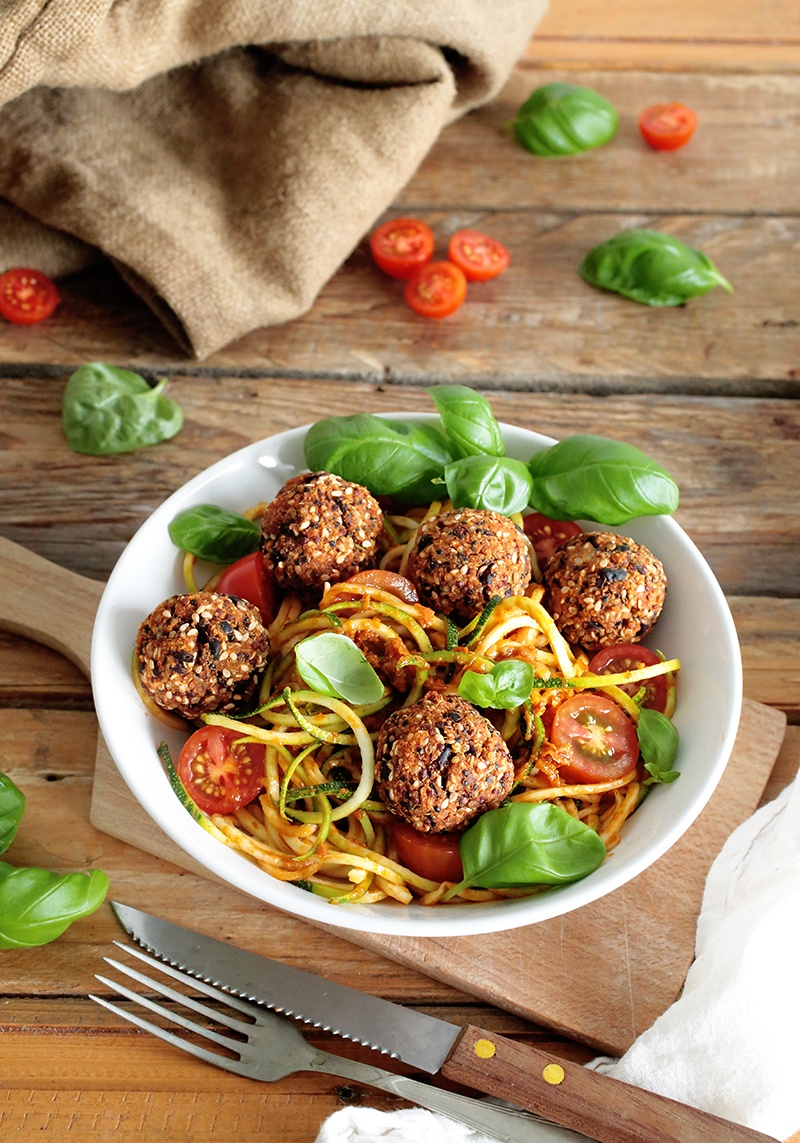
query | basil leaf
(652,268)
(214,534)
(332,664)
(108,410)
(468,420)
(594,478)
(390,458)
(36,906)
(12,805)
(506,686)
(562,119)
(497,483)
(528,844)
(658,742)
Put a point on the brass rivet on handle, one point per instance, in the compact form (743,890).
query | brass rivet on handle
(485,1049)
(553,1073)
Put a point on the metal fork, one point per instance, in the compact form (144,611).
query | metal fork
(271,1047)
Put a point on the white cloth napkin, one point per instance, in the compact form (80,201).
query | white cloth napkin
(730,1044)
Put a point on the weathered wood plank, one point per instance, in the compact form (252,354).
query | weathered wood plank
(579,53)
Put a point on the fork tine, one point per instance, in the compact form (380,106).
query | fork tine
(175,1017)
(247,1007)
(162,1033)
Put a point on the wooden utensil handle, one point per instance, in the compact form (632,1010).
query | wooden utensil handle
(573,1096)
(47,603)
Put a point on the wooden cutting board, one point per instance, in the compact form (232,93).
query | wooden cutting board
(601,974)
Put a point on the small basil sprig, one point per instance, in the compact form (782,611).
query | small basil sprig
(652,268)
(505,687)
(12,806)
(594,478)
(333,665)
(658,742)
(468,421)
(36,906)
(496,483)
(563,119)
(528,844)
(214,534)
(107,410)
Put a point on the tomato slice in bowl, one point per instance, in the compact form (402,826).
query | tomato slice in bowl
(479,256)
(546,534)
(437,290)
(221,773)
(630,657)
(249,579)
(402,246)
(27,296)
(601,738)
(667,126)
(431,855)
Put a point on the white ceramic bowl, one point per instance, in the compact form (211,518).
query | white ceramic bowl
(696,626)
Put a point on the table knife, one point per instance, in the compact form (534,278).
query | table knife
(563,1092)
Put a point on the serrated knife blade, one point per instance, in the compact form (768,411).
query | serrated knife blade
(565,1093)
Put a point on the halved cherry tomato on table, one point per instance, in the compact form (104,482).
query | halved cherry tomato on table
(478,255)
(629,657)
(437,290)
(221,773)
(402,246)
(431,855)
(27,296)
(387,581)
(602,738)
(249,579)
(667,126)
(546,534)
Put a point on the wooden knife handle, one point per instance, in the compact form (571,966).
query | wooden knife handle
(573,1096)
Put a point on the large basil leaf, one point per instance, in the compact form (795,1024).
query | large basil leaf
(505,687)
(496,483)
(652,268)
(214,534)
(658,742)
(562,119)
(390,458)
(12,805)
(528,843)
(468,420)
(333,665)
(108,410)
(593,478)
(36,906)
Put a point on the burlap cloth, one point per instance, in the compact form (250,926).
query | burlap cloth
(228,155)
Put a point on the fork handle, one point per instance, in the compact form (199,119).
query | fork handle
(505,1124)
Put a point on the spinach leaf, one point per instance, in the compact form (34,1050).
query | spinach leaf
(506,686)
(528,844)
(214,534)
(652,268)
(468,420)
(12,804)
(497,483)
(562,119)
(332,664)
(36,906)
(390,458)
(593,478)
(658,742)
(108,410)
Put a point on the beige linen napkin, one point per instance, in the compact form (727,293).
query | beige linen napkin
(228,156)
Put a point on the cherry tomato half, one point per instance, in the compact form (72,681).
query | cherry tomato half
(219,773)
(546,534)
(602,739)
(388,581)
(437,290)
(629,657)
(402,246)
(249,579)
(478,255)
(27,296)
(431,855)
(667,126)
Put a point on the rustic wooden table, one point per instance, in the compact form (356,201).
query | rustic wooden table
(708,389)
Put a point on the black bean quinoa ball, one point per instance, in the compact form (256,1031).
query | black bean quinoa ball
(461,559)
(201,652)
(440,764)
(603,589)
(320,529)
